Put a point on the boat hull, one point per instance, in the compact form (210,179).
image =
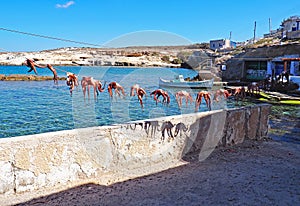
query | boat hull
(186,84)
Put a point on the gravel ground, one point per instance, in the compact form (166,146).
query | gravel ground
(265,172)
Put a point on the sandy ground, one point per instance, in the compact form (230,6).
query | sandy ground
(265,172)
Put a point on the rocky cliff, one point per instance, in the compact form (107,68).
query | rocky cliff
(139,56)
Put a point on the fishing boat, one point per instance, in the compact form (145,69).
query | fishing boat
(179,82)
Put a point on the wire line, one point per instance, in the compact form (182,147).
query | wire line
(49,37)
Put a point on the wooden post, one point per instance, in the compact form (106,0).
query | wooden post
(284,65)
(286,74)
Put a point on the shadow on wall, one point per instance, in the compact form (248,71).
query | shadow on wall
(201,126)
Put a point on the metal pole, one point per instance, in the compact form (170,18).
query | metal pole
(254,31)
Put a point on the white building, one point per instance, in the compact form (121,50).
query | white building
(221,44)
(291,27)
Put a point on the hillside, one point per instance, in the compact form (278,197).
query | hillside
(163,56)
(196,56)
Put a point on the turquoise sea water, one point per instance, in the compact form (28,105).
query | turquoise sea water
(31,107)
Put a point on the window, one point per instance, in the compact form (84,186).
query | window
(256,70)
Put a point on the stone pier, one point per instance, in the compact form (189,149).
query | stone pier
(115,153)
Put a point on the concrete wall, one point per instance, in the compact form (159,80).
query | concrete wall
(44,160)
(293,35)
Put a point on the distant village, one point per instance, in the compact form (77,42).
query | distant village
(222,59)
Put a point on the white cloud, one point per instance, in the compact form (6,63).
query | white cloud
(66,5)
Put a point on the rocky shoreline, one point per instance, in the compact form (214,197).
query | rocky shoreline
(24,77)
(197,57)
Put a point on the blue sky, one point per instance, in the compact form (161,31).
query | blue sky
(112,23)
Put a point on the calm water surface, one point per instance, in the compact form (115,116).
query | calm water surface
(31,107)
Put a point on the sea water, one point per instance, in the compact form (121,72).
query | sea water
(32,107)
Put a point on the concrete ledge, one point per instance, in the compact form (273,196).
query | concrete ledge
(130,150)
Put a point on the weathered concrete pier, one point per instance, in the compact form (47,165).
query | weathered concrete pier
(110,154)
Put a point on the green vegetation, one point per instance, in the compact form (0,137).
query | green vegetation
(155,54)
(277,131)
(185,53)
(237,50)
(176,61)
(166,59)
(264,41)
(277,111)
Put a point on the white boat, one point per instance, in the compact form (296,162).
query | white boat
(179,82)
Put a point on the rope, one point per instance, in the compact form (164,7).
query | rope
(56,69)
(62,70)
(49,37)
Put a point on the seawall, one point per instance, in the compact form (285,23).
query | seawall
(115,153)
